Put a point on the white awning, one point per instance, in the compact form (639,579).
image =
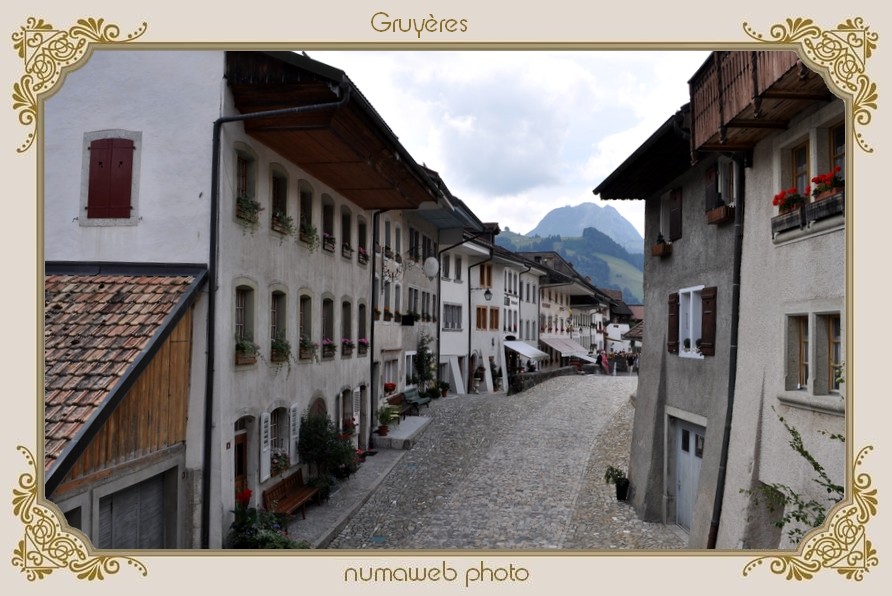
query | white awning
(525,349)
(568,347)
(584,357)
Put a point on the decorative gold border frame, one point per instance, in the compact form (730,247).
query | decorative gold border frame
(842,53)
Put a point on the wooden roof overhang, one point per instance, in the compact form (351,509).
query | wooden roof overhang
(348,147)
(659,160)
(740,98)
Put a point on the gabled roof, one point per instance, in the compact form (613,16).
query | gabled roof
(618,307)
(103,322)
(636,332)
(637,311)
(659,160)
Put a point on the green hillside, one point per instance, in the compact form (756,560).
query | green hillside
(594,254)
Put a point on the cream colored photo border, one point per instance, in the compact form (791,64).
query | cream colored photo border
(44,555)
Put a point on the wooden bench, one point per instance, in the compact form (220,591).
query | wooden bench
(412,397)
(403,407)
(289,494)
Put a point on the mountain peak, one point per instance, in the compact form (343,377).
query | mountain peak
(570,221)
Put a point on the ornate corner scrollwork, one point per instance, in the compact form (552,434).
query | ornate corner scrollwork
(48,545)
(46,52)
(842,545)
(842,52)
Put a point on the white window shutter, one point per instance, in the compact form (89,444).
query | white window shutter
(295,428)
(356,404)
(265,452)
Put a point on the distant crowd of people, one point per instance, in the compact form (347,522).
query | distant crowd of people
(607,361)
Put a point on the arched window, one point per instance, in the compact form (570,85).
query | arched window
(280,348)
(245,348)
(347,231)
(328,232)
(347,342)
(328,345)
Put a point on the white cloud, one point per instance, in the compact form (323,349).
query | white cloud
(516,134)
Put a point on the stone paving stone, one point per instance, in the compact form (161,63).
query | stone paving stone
(524,471)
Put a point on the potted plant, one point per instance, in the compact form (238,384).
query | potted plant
(616,476)
(328,347)
(385,417)
(307,348)
(246,208)
(308,234)
(389,386)
(347,346)
(790,213)
(444,388)
(660,249)
(788,200)
(245,350)
(279,461)
(280,348)
(827,185)
(284,224)
(720,215)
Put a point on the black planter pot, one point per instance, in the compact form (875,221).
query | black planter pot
(622,489)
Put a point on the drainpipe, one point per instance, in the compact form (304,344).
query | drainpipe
(732,359)
(373,393)
(488,259)
(212,290)
(440,294)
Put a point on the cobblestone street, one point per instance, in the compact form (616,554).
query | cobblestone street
(513,472)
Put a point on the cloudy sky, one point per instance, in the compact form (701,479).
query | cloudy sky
(516,134)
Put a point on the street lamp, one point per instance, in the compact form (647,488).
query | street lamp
(487,294)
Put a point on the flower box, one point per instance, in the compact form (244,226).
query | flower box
(362,350)
(245,358)
(328,243)
(828,193)
(278,356)
(660,249)
(362,257)
(788,221)
(346,350)
(328,351)
(306,353)
(347,251)
(826,207)
(720,215)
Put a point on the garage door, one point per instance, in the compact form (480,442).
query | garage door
(133,517)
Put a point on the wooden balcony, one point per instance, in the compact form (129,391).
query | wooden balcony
(739,98)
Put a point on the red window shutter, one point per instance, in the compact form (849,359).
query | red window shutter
(675,214)
(712,187)
(708,321)
(672,343)
(111,176)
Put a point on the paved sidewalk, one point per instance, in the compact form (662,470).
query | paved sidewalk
(324,521)
(492,471)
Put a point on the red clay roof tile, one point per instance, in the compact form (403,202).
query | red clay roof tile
(95,328)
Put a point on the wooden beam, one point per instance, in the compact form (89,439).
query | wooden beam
(756,123)
(779,94)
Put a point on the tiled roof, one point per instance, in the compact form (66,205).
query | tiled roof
(96,326)
(636,332)
(637,311)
